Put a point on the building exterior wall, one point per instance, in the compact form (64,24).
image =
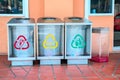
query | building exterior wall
(79,8)
(56,8)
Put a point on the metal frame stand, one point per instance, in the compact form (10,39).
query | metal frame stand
(22,63)
(50,62)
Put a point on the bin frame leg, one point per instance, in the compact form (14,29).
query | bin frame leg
(50,62)
(77,61)
(22,63)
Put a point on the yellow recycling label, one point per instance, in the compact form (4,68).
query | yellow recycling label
(50,42)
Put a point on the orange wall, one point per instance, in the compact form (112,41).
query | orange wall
(3,34)
(36,8)
(59,8)
(56,8)
(78,8)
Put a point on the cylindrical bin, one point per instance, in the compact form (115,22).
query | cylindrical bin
(50,40)
(100,47)
(21,41)
(77,40)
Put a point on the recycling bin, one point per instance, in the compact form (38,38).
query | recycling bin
(100,47)
(21,43)
(78,33)
(50,40)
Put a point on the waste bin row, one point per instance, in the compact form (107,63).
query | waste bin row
(49,41)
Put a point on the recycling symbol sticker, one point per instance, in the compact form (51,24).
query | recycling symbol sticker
(21,43)
(50,42)
(78,42)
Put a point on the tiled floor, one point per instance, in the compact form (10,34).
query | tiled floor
(92,71)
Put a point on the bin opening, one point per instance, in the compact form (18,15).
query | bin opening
(22,18)
(75,18)
(49,18)
(99,29)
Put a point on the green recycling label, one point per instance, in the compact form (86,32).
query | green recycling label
(78,42)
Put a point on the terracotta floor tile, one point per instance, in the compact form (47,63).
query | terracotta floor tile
(59,69)
(12,79)
(93,78)
(77,78)
(46,75)
(107,71)
(46,78)
(62,78)
(111,79)
(45,67)
(6,73)
(27,68)
(33,73)
(92,71)
(72,69)
(2,62)
(30,77)
(97,66)
(16,68)
(5,79)
(4,67)
(117,70)
(89,74)
(60,74)
(19,72)
(17,78)
(34,67)
(119,78)
(75,74)
(87,71)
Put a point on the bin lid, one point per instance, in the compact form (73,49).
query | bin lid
(49,21)
(100,29)
(21,21)
(76,21)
